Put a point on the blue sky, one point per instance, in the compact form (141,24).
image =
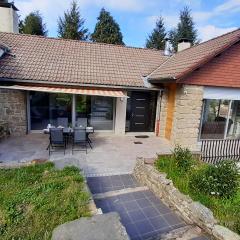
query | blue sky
(137,17)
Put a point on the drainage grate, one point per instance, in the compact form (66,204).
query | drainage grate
(138,143)
(142,136)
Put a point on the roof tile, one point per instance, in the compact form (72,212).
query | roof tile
(70,61)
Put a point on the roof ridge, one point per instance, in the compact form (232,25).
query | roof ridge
(81,41)
(212,39)
(160,66)
(209,56)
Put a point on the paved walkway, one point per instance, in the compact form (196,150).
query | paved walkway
(142,213)
(110,155)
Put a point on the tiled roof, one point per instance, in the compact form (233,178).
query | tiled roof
(75,62)
(184,62)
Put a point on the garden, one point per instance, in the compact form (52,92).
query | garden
(215,186)
(37,198)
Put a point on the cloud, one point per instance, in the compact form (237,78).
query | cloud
(230,5)
(170,21)
(210,31)
(226,7)
(56,6)
(125,5)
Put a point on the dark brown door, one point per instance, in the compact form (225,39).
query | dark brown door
(140,104)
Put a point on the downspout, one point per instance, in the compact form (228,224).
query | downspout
(159,103)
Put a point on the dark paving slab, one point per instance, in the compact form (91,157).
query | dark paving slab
(201,238)
(142,214)
(111,183)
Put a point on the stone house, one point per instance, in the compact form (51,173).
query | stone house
(185,97)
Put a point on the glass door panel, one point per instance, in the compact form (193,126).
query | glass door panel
(60,106)
(39,110)
(234,120)
(214,119)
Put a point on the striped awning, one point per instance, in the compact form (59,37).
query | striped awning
(81,91)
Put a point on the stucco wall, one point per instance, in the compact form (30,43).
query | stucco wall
(13,110)
(187,116)
(8,20)
(120,119)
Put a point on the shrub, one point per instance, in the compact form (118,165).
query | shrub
(220,180)
(183,157)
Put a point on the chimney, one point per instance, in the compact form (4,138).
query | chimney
(167,50)
(8,17)
(183,44)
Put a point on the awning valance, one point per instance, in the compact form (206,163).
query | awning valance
(81,91)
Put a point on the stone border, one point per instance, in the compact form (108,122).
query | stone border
(192,212)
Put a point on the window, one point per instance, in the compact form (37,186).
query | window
(101,116)
(98,110)
(220,119)
(47,108)
(60,107)
(234,120)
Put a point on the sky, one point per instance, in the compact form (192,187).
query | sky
(137,18)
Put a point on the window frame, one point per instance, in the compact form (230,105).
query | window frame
(226,124)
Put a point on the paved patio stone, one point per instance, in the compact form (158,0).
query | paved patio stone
(111,154)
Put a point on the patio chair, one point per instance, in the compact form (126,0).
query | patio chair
(79,138)
(56,140)
(82,122)
(62,122)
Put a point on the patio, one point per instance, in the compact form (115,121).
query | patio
(110,155)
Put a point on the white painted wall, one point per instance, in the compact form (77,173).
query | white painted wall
(221,93)
(120,118)
(8,20)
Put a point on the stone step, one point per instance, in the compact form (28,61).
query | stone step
(118,192)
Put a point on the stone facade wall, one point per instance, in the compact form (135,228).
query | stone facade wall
(163,113)
(13,111)
(192,212)
(187,116)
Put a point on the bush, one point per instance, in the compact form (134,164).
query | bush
(220,180)
(183,157)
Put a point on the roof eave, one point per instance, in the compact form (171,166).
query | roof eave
(162,80)
(5,80)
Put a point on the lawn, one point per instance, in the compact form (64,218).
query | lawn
(36,199)
(227,211)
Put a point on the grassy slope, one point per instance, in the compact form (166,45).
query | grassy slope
(35,199)
(227,211)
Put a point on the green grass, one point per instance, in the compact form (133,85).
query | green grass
(36,199)
(227,211)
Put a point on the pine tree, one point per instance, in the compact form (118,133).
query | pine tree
(33,24)
(71,26)
(185,29)
(157,38)
(107,29)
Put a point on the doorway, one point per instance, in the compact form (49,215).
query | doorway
(141,111)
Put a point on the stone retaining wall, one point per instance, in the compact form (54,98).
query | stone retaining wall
(192,212)
(13,111)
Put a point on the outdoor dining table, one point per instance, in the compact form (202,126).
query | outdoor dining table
(69,132)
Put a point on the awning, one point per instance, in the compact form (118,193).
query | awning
(81,91)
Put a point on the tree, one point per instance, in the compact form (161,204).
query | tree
(185,29)
(33,24)
(158,35)
(71,26)
(107,29)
